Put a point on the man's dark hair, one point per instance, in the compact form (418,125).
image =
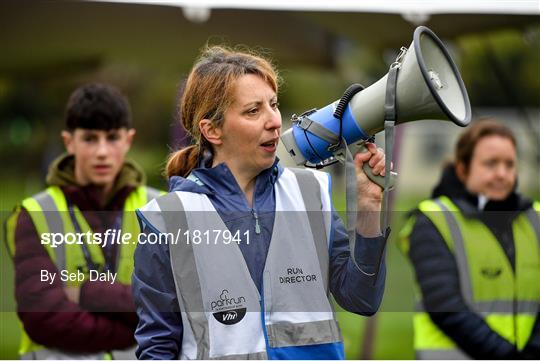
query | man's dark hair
(97,106)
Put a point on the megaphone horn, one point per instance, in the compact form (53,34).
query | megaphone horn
(428,86)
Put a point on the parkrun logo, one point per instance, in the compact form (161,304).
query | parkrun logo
(229,310)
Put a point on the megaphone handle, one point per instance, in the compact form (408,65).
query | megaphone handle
(378,179)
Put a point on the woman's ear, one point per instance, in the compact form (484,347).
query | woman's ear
(210,132)
(461,171)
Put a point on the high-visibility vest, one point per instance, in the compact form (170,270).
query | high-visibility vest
(223,313)
(507,299)
(49,212)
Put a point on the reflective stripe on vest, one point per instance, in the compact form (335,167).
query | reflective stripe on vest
(508,300)
(318,219)
(49,213)
(210,277)
(47,218)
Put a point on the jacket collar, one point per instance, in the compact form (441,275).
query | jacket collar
(62,173)
(220,180)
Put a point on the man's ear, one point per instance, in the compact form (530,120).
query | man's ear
(210,132)
(130,134)
(67,137)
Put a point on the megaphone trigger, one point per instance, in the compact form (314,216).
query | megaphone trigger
(377,179)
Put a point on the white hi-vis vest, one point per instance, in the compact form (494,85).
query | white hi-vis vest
(223,313)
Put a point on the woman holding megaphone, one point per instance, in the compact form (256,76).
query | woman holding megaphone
(255,249)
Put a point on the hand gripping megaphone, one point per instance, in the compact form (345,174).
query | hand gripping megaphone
(427,86)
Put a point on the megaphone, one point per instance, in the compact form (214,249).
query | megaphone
(428,86)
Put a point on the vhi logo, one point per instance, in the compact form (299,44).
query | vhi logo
(230,316)
(230,310)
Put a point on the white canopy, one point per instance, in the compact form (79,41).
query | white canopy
(516,7)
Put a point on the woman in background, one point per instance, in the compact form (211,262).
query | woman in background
(475,250)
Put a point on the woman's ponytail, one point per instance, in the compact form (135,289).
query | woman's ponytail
(182,162)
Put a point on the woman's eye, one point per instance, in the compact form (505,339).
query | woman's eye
(253,111)
(89,139)
(275,105)
(113,137)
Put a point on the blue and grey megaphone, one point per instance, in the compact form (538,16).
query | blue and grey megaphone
(428,86)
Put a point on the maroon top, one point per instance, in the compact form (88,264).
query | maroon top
(105,317)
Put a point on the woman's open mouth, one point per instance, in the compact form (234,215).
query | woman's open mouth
(270,146)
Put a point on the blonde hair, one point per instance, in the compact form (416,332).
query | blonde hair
(208,92)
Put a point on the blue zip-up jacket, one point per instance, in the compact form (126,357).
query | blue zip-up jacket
(159,332)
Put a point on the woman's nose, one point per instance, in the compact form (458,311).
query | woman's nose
(502,171)
(274,120)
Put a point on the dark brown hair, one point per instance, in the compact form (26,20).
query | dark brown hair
(208,92)
(97,106)
(477,130)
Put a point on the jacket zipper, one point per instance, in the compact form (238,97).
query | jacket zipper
(257,225)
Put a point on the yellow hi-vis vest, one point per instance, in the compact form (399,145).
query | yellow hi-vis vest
(49,213)
(507,299)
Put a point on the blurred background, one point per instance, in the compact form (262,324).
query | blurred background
(48,48)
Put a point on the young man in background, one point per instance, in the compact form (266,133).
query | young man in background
(74,300)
